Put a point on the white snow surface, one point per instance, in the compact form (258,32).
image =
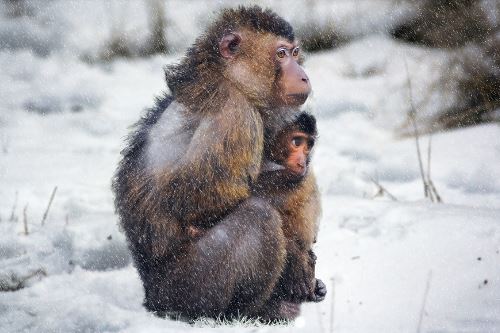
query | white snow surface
(390,266)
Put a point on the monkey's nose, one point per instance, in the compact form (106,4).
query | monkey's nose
(301,167)
(305,79)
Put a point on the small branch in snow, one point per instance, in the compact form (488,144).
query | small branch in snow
(434,191)
(48,206)
(25,220)
(13,217)
(424,302)
(382,190)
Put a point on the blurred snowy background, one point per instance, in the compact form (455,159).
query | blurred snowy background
(74,75)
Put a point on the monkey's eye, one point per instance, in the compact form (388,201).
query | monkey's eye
(281,52)
(298,141)
(295,52)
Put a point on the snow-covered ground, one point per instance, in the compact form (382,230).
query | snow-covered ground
(390,266)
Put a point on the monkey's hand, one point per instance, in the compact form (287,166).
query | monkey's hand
(319,291)
(194,232)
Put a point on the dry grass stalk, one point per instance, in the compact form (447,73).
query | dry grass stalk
(13,217)
(424,302)
(412,116)
(48,206)
(429,190)
(25,219)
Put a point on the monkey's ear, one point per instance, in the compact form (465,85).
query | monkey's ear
(229,45)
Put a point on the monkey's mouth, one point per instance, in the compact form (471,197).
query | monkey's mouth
(298,170)
(296,99)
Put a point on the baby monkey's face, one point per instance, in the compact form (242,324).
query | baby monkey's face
(288,152)
(298,146)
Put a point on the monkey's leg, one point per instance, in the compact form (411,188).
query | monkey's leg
(297,281)
(230,270)
(295,286)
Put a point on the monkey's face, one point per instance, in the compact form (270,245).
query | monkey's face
(292,85)
(266,68)
(287,161)
(299,146)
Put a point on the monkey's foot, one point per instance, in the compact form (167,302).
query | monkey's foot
(279,311)
(319,292)
(288,310)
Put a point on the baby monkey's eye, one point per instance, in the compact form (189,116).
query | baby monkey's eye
(297,141)
(295,52)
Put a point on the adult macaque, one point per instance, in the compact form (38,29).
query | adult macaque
(192,160)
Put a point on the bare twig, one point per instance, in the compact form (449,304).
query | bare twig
(13,217)
(424,302)
(48,206)
(25,219)
(412,114)
(382,190)
(433,189)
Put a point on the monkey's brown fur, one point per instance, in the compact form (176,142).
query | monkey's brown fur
(298,202)
(217,112)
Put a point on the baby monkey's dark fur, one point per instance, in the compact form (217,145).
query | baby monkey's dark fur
(220,105)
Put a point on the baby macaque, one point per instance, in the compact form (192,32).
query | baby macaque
(287,184)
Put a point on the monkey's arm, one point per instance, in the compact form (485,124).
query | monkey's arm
(213,175)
